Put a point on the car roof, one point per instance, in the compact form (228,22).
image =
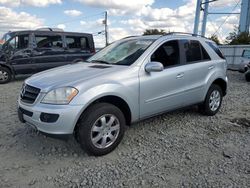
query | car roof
(170,36)
(47,32)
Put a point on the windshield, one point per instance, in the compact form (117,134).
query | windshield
(246,54)
(124,52)
(5,37)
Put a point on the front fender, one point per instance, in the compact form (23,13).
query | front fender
(4,64)
(110,89)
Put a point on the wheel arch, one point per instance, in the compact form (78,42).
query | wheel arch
(114,100)
(77,60)
(3,64)
(222,83)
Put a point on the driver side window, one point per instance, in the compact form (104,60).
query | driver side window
(19,42)
(167,54)
(13,43)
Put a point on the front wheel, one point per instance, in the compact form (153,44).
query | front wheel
(213,101)
(101,129)
(5,75)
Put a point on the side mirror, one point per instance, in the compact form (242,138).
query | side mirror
(154,67)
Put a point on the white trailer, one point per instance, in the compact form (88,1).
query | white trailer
(233,53)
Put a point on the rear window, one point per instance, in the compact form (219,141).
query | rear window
(216,49)
(246,54)
(76,42)
(194,51)
(48,41)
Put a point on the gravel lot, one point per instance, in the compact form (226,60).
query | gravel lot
(178,149)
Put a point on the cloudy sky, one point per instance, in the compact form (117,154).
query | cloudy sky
(126,17)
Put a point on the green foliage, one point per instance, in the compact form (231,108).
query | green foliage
(154,32)
(236,38)
(215,39)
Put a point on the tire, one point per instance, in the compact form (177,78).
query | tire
(247,76)
(101,129)
(209,107)
(5,75)
(76,61)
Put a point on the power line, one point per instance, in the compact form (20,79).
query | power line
(219,35)
(226,18)
(81,18)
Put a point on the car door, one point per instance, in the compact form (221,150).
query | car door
(77,48)
(198,66)
(163,91)
(48,52)
(18,54)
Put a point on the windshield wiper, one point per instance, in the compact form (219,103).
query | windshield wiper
(100,61)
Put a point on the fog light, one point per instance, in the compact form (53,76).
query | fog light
(49,118)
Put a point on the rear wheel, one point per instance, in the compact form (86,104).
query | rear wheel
(247,76)
(213,101)
(5,75)
(101,129)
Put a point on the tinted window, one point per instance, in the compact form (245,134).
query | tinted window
(194,51)
(76,42)
(246,54)
(216,49)
(167,54)
(48,41)
(204,54)
(19,42)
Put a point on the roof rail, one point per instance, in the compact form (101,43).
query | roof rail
(49,29)
(130,36)
(183,33)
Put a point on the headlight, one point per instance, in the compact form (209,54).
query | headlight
(60,95)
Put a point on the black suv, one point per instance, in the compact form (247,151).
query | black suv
(28,52)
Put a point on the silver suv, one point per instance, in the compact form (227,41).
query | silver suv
(130,80)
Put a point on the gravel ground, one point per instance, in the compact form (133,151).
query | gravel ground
(177,149)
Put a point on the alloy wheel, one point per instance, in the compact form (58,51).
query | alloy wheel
(214,100)
(3,75)
(105,131)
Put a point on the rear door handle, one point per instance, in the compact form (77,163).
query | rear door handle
(210,67)
(180,75)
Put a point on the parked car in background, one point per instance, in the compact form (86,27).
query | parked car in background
(245,60)
(128,81)
(247,73)
(28,52)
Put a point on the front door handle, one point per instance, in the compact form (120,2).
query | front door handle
(180,75)
(210,67)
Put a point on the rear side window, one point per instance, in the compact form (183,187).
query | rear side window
(216,49)
(48,41)
(194,51)
(74,42)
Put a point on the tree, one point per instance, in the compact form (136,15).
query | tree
(236,38)
(215,39)
(154,32)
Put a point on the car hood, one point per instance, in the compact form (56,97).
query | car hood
(70,75)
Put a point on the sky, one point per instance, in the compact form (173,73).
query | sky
(125,17)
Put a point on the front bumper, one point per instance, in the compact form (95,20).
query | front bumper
(63,125)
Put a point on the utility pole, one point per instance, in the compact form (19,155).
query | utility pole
(106,28)
(197,17)
(244,16)
(204,21)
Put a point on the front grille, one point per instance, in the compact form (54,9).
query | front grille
(29,94)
